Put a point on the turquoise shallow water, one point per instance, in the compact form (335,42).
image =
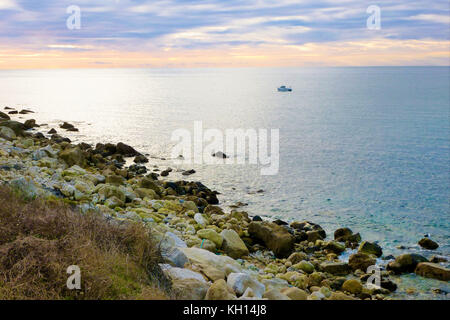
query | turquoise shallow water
(367,148)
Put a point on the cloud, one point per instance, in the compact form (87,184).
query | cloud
(8,5)
(155,26)
(436,18)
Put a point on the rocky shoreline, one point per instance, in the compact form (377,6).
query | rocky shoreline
(208,253)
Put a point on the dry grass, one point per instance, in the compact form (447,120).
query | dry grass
(40,239)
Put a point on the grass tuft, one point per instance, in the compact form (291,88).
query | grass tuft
(40,239)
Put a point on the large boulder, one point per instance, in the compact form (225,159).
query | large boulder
(370,248)
(361,261)
(240,282)
(405,263)
(433,270)
(181,274)
(73,156)
(126,150)
(7,133)
(212,265)
(346,235)
(16,126)
(189,289)
(334,247)
(220,290)
(233,244)
(275,237)
(427,243)
(148,183)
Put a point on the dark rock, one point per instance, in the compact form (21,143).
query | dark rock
(438,259)
(211,209)
(126,150)
(31,123)
(39,135)
(309,226)
(427,243)
(300,236)
(58,139)
(257,218)
(188,172)
(361,261)
(73,156)
(84,146)
(140,159)
(106,150)
(16,126)
(4,116)
(165,173)
(13,112)
(220,154)
(138,169)
(405,263)
(370,248)
(66,126)
(280,222)
(25,111)
(335,247)
(346,235)
(342,233)
(275,237)
(337,268)
(389,285)
(433,270)
(313,236)
(52,131)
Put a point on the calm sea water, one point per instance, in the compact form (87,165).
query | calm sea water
(366,148)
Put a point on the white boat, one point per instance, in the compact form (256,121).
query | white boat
(284,89)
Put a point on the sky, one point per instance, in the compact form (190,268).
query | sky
(222,33)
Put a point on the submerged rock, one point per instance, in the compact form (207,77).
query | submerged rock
(31,123)
(427,243)
(433,270)
(405,263)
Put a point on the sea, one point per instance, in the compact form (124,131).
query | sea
(361,147)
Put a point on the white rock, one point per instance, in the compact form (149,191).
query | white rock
(205,257)
(177,242)
(239,282)
(180,273)
(275,283)
(199,219)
